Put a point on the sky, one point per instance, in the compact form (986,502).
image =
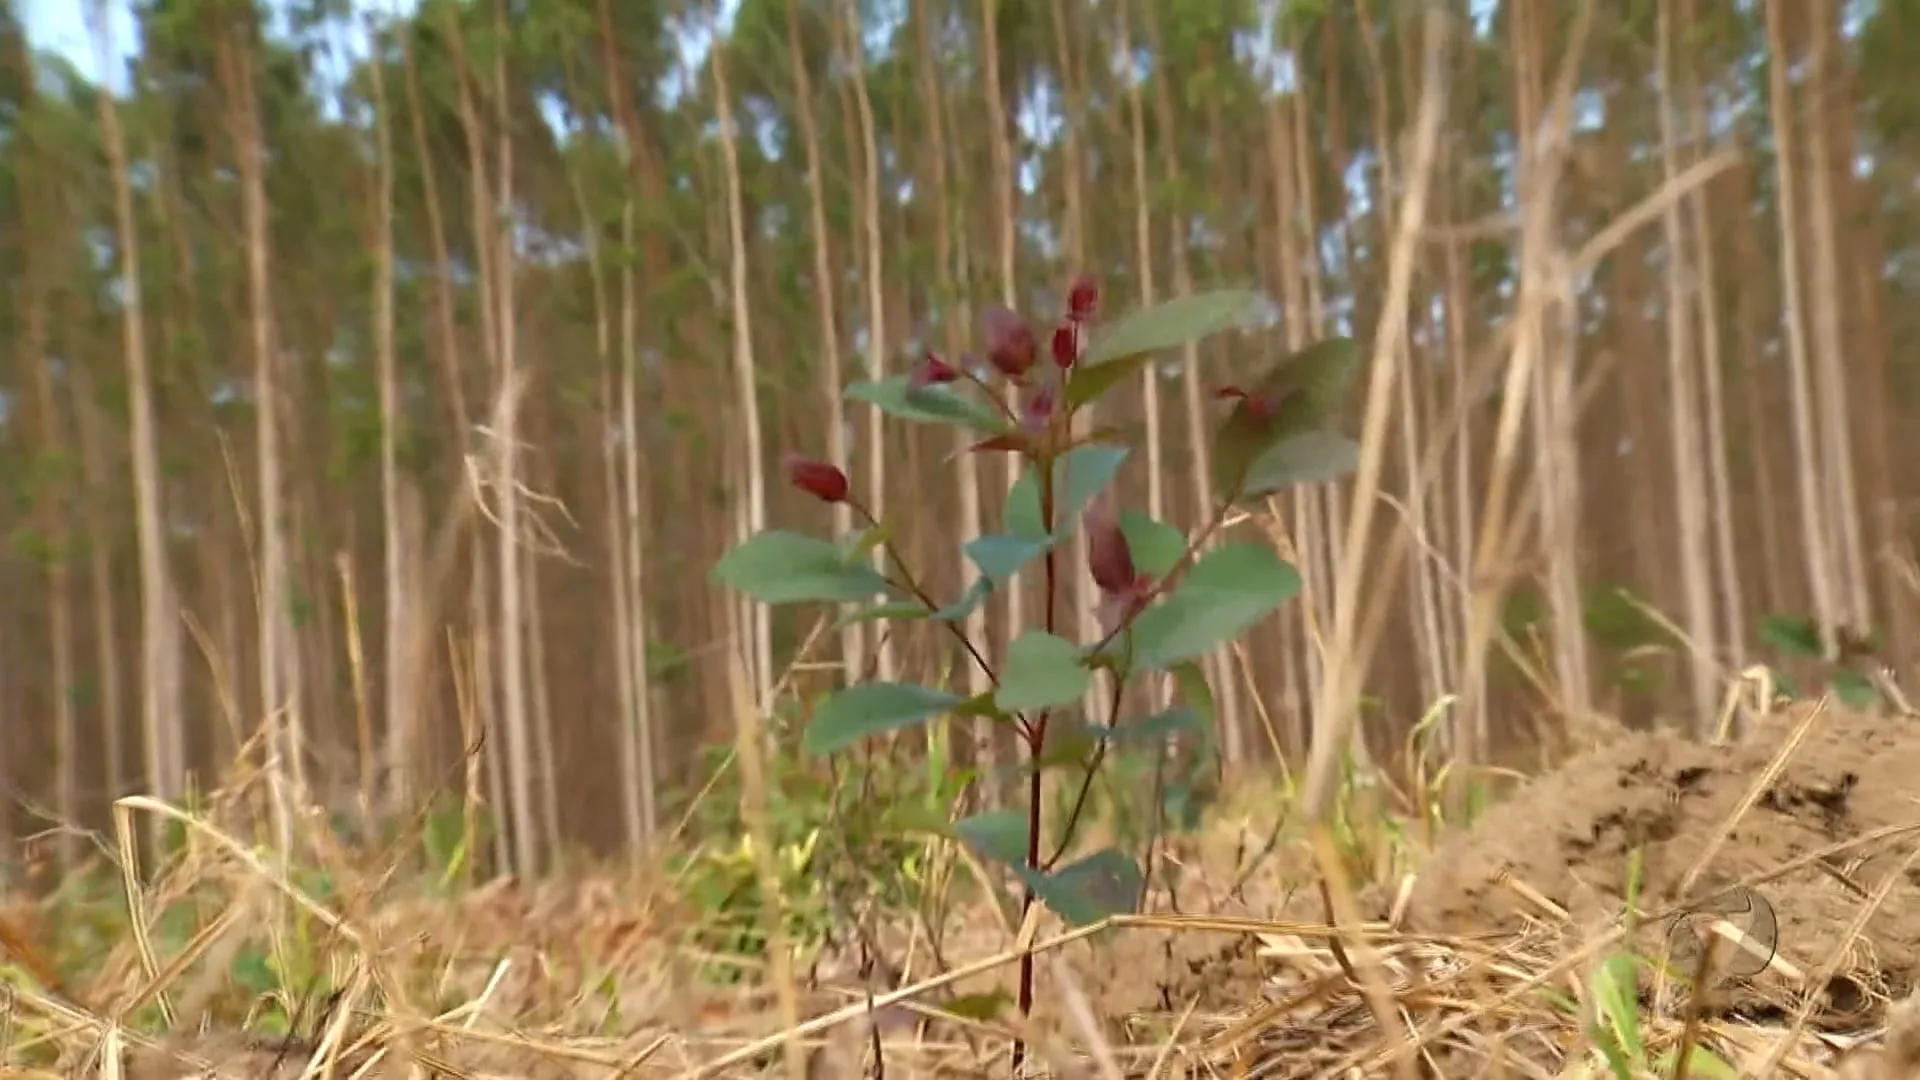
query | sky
(61,26)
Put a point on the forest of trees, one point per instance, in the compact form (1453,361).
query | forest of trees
(539,291)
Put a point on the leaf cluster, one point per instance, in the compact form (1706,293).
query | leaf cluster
(1169,597)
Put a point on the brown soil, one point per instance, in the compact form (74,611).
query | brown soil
(1569,835)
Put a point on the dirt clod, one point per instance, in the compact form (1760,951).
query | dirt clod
(1569,835)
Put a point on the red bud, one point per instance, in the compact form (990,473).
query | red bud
(1018,444)
(1259,407)
(1082,298)
(1039,405)
(817,478)
(932,370)
(1109,557)
(1010,344)
(1066,344)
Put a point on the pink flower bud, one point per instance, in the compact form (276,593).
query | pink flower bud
(817,478)
(1066,344)
(1082,298)
(932,370)
(1010,344)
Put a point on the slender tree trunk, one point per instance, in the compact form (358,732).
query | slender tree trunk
(406,734)
(852,655)
(1154,438)
(1827,589)
(279,704)
(1690,490)
(393,562)
(1732,596)
(160,641)
(1006,199)
(55,531)
(1422,596)
(499,217)
(1830,360)
(492,243)
(1554,429)
(106,620)
(954,316)
(1073,190)
(746,372)
(875,273)
(645,737)
(1219,669)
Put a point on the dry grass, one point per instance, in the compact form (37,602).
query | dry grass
(588,976)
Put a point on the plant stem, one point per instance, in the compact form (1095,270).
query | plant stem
(1086,778)
(1036,745)
(920,594)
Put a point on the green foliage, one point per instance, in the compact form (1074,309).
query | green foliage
(1795,635)
(1226,594)
(1079,475)
(1308,458)
(1157,546)
(778,567)
(859,712)
(1129,343)
(1001,557)
(930,404)
(1799,639)
(843,839)
(1276,436)
(1166,602)
(1043,671)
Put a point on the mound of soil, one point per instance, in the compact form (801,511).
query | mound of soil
(1568,835)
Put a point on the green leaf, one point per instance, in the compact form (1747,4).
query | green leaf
(1173,322)
(937,404)
(780,567)
(1615,988)
(1127,344)
(1091,382)
(893,609)
(1156,545)
(1078,475)
(982,1006)
(863,544)
(1310,387)
(1854,690)
(1795,635)
(1784,685)
(1041,671)
(1152,730)
(968,603)
(999,556)
(1104,883)
(1314,382)
(1225,594)
(1311,457)
(1000,835)
(917,819)
(1193,686)
(857,712)
(981,705)
(1701,1062)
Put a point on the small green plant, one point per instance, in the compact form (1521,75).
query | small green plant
(839,839)
(1846,673)
(1168,598)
